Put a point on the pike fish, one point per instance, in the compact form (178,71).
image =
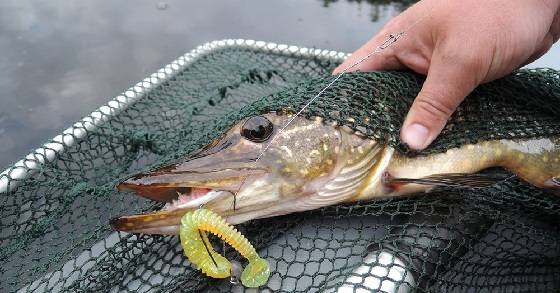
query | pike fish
(312,164)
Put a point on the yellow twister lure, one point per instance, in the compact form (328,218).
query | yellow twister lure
(199,251)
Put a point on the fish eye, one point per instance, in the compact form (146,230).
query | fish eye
(257,129)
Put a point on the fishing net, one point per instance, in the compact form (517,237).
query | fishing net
(56,236)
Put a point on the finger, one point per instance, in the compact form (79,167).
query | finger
(386,60)
(549,39)
(555,27)
(448,82)
(545,45)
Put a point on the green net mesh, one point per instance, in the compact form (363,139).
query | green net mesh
(56,236)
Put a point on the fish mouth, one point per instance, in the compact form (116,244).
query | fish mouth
(184,187)
(167,220)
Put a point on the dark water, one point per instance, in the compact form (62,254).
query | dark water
(62,59)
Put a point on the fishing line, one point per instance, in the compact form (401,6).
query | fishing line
(207,249)
(391,39)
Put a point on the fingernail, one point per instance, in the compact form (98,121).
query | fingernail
(416,136)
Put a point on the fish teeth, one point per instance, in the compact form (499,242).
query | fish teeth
(181,199)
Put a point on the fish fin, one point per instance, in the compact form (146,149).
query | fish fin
(452,179)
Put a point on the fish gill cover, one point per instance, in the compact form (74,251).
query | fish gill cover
(55,233)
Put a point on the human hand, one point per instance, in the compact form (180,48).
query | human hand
(459,45)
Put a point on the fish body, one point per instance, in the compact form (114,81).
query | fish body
(254,170)
(536,161)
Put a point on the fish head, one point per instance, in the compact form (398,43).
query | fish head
(261,167)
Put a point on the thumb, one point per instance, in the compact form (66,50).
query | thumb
(446,86)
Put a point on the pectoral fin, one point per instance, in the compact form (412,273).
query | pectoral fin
(451,179)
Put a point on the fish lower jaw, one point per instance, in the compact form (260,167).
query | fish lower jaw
(163,230)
